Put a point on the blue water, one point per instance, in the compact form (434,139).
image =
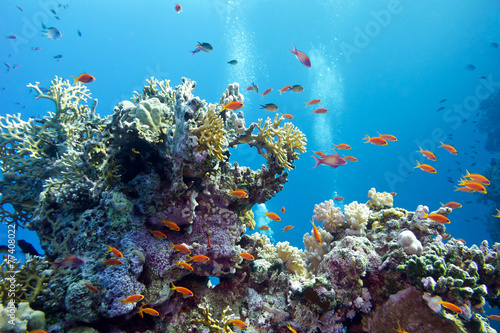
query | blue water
(377,65)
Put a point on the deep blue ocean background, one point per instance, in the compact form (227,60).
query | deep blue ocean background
(377,65)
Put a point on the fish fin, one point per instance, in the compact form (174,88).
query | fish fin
(74,77)
(56,265)
(318,161)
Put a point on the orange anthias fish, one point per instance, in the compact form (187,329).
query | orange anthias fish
(199,258)
(425,167)
(182,290)
(477,177)
(83,78)
(302,57)
(240,194)
(379,141)
(287,116)
(149,311)
(112,262)
(178,8)
(290,328)
(316,234)
(36,331)
(184,265)
(132,299)
(158,234)
(92,288)
(288,227)
(493,317)
(342,146)
(320,111)
(350,158)
(238,323)
(339,198)
(393,194)
(264,228)
(114,251)
(283,209)
(246,256)
(452,205)
(399,330)
(473,185)
(73,261)
(209,243)
(319,153)
(233,106)
(266,92)
(430,155)
(253,87)
(332,160)
(273,216)
(387,137)
(451,306)
(497,214)
(285,89)
(464,189)
(171,225)
(449,148)
(313,101)
(181,248)
(437,218)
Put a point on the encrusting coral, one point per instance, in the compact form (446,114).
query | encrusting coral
(153,182)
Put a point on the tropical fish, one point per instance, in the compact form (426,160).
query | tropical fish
(72,261)
(320,110)
(288,227)
(171,225)
(59,56)
(350,158)
(263,228)
(20,8)
(285,89)
(238,323)
(399,330)
(493,317)
(342,146)
(132,299)
(149,311)
(430,155)
(443,100)
(184,265)
(312,102)
(27,248)
(233,106)
(436,218)
(79,33)
(302,57)
(178,8)
(158,234)
(273,216)
(297,88)
(452,205)
(332,160)
(497,214)
(451,306)
(290,328)
(233,62)
(464,189)
(393,194)
(283,209)
(181,248)
(461,240)
(267,91)
(477,177)
(205,47)
(246,256)
(182,290)
(449,148)
(379,141)
(114,251)
(319,153)
(35,48)
(51,32)
(339,198)
(270,107)
(92,288)
(473,185)
(388,137)
(83,78)
(441,108)
(316,234)
(425,167)
(254,87)
(240,194)
(112,262)
(287,116)
(11,37)
(209,244)
(199,258)
(470,67)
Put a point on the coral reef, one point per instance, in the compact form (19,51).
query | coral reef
(153,181)
(20,319)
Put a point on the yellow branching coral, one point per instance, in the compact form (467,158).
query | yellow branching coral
(215,326)
(212,134)
(281,143)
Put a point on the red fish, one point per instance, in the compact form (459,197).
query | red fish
(302,57)
(288,227)
(112,262)
(379,141)
(287,116)
(233,106)
(266,92)
(178,8)
(285,88)
(388,137)
(253,87)
(114,251)
(91,287)
(316,234)
(264,228)
(320,110)
(452,205)
(332,160)
(73,261)
(84,78)
(339,198)
(158,234)
(283,209)
(313,101)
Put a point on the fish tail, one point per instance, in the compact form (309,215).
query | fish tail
(418,165)
(173,286)
(367,138)
(74,77)
(318,161)
(468,173)
(56,265)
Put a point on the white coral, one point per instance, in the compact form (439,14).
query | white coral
(315,252)
(380,199)
(410,243)
(292,258)
(356,215)
(330,215)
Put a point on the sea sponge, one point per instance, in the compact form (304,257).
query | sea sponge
(410,243)
(356,215)
(330,215)
(379,200)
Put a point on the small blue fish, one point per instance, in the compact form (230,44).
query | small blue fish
(470,67)
(51,32)
(79,33)
(494,45)
(233,62)
(59,56)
